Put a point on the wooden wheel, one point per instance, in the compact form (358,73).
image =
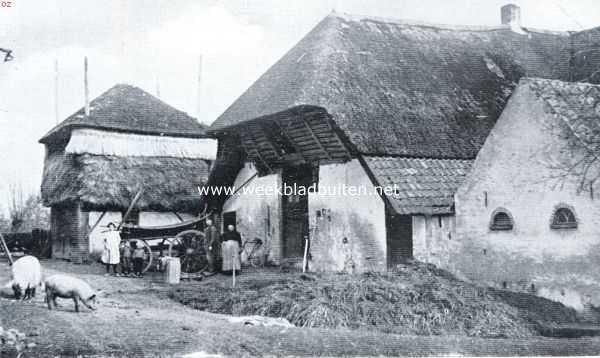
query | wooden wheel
(189,247)
(148,251)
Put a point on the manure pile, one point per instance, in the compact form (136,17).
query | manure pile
(416,299)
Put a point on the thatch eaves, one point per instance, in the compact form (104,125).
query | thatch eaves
(404,89)
(111,182)
(126,108)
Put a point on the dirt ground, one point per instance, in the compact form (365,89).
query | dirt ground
(136,319)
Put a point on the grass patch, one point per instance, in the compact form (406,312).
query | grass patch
(416,299)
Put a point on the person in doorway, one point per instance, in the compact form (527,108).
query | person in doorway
(232,242)
(110,253)
(125,252)
(137,255)
(212,245)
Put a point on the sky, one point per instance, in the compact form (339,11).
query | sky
(157,45)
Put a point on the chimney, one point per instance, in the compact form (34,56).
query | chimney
(86,87)
(511,15)
(199,89)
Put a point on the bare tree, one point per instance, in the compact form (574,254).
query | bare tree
(26,212)
(575,156)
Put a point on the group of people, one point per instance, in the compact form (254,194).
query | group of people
(221,250)
(127,254)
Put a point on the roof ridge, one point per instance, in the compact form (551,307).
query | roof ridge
(395,157)
(441,26)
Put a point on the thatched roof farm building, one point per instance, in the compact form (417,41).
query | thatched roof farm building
(377,104)
(95,165)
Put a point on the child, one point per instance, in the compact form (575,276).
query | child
(125,250)
(110,252)
(138,258)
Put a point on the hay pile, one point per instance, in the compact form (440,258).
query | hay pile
(416,299)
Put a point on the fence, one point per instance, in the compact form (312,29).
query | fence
(38,243)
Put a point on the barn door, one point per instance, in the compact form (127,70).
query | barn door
(399,238)
(295,210)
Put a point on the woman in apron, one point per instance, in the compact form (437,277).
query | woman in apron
(110,253)
(230,248)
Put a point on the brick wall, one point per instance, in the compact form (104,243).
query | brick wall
(512,171)
(360,219)
(69,233)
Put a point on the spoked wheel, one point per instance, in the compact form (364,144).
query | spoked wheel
(188,246)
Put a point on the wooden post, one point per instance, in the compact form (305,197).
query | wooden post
(86,86)
(97,222)
(233,257)
(57,118)
(199,89)
(131,206)
(304,261)
(5,247)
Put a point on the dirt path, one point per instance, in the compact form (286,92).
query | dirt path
(135,318)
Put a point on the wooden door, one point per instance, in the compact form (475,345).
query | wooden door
(295,210)
(399,238)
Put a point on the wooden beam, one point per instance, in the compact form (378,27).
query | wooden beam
(265,140)
(257,153)
(5,247)
(316,138)
(289,139)
(96,223)
(131,206)
(178,216)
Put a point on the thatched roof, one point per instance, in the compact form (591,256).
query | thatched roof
(127,108)
(575,105)
(400,88)
(422,186)
(111,182)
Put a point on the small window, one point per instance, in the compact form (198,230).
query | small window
(563,218)
(501,221)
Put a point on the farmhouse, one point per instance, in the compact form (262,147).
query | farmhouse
(96,163)
(527,216)
(373,103)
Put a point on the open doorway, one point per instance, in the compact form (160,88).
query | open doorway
(295,209)
(399,238)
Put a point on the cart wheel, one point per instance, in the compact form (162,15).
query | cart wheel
(148,252)
(189,247)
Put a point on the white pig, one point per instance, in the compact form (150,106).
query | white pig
(65,286)
(26,277)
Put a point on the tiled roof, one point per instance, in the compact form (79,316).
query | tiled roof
(575,104)
(424,186)
(127,108)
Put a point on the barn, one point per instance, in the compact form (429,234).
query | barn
(383,119)
(96,163)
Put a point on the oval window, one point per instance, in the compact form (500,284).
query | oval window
(501,221)
(563,218)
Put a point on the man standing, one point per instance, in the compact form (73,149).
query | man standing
(212,244)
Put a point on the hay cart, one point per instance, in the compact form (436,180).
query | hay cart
(184,240)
